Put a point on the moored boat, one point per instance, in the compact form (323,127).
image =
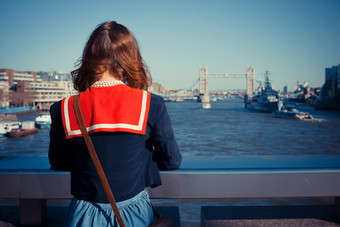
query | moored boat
(21,132)
(7,126)
(43,120)
(27,128)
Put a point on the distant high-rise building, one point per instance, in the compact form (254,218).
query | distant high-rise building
(55,76)
(332,81)
(329,97)
(339,76)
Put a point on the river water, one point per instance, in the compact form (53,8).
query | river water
(225,129)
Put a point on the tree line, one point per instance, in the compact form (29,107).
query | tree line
(16,98)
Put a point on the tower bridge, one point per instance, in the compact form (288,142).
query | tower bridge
(203,78)
(203,94)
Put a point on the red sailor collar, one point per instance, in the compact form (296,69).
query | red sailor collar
(118,108)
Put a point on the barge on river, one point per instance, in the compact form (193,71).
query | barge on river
(27,128)
(7,126)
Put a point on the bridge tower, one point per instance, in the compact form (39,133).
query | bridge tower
(204,95)
(250,81)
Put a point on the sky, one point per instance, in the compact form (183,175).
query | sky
(295,40)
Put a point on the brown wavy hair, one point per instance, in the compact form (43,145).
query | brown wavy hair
(111,47)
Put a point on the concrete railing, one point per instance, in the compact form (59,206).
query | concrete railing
(30,180)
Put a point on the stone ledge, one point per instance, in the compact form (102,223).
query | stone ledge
(304,215)
(270,223)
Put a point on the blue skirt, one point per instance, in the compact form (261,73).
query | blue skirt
(136,211)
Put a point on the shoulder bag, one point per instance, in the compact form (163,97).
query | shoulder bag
(162,221)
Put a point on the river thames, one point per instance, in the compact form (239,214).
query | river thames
(223,130)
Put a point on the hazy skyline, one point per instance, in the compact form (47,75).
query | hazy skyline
(295,40)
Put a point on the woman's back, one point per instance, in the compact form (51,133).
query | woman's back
(129,128)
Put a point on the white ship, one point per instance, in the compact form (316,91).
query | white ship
(6,127)
(43,121)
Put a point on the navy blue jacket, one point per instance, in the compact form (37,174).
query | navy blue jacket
(130,161)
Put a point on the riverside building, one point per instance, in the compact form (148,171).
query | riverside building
(46,93)
(332,81)
(13,77)
(36,92)
(329,97)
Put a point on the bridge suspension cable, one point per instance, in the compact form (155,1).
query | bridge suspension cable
(227,75)
(178,93)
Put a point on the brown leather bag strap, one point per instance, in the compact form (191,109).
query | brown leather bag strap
(155,212)
(95,160)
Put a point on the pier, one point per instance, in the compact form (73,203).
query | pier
(30,180)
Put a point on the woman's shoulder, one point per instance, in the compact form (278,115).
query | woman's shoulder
(56,107)
(157,108)
(156,98)
(156,102)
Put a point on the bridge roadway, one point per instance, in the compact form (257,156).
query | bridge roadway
(30,180)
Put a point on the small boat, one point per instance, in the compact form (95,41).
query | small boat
(27,128)
(6,127)
(21,132)
(43,121)
(291,113)
(206,105)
